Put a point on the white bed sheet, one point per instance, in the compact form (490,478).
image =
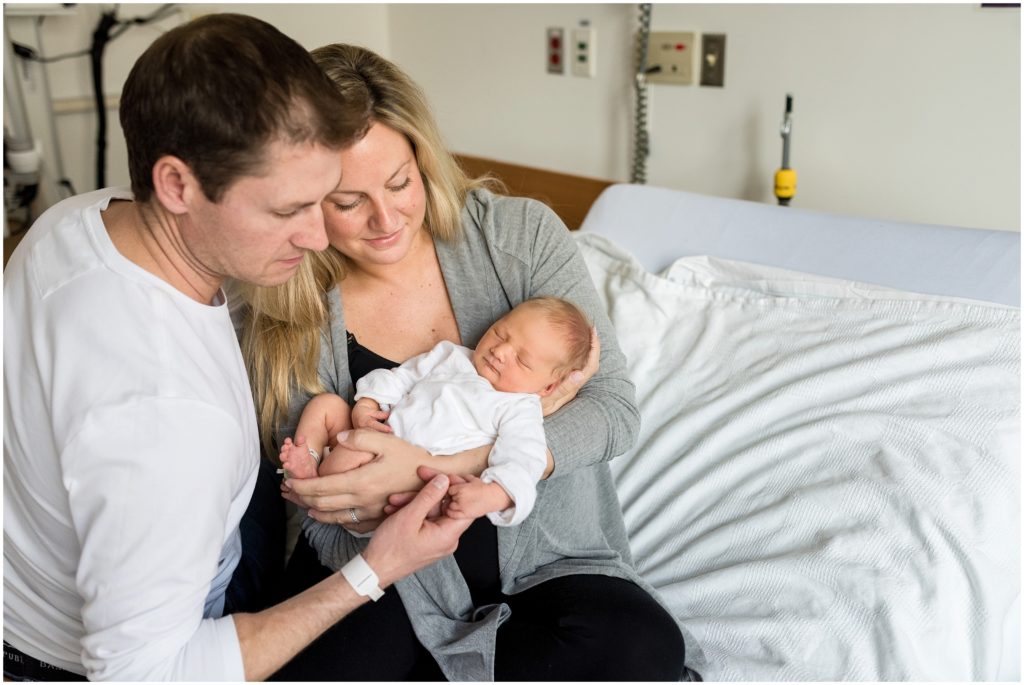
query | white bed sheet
(826,483)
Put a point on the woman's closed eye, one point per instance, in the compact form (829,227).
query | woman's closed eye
(402,186)
(349,206)
(346,206)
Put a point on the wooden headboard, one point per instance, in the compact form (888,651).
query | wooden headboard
(570,196)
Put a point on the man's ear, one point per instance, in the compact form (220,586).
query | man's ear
(174,184)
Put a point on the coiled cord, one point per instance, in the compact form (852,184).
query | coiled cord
(641,139)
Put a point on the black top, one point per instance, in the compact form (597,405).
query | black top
(362,361)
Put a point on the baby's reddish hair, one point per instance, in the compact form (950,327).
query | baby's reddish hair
(574,326)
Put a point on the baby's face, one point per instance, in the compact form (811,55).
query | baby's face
(520,353)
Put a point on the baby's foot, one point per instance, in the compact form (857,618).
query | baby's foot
(296,460)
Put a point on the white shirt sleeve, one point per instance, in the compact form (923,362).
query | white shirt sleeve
(518,458)
(150,483)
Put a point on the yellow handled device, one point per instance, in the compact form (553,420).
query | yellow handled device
(785,178)
(785,185)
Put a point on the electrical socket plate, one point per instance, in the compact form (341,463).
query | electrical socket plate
(672,51)
(712,59)
(556,51)
(583,52)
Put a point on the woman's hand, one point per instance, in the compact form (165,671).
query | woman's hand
(565,392)
(362,491)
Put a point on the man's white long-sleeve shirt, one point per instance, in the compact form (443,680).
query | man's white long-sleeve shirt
(130,455)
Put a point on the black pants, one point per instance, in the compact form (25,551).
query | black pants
(258,580)
(24,668)
(581,627)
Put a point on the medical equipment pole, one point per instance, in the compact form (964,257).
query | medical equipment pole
(785,178)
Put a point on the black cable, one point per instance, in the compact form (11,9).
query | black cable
(104,33)
(108,28)
(26,52)
(100,38)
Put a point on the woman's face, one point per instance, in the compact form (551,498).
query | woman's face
(377,210)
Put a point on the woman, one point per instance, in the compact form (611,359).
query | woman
(419,254)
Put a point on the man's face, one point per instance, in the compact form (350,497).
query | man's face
(263,226)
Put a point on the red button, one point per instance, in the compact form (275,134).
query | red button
(555,43)
(680,46)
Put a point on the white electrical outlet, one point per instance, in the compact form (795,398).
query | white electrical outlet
(583,52)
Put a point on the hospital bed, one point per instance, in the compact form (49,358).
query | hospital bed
(826,483)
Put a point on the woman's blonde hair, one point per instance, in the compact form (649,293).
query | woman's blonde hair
(282,326)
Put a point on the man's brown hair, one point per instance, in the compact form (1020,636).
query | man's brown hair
(216,91)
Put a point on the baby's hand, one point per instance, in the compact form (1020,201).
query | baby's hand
(367,414)
(474,498)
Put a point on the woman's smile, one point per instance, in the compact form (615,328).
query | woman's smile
(385,242)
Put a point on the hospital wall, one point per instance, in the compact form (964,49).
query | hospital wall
(904,112)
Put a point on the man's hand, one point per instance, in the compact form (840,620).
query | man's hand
(408,540)
(566,392)
(399,499)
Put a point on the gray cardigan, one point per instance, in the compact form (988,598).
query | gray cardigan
(513,249)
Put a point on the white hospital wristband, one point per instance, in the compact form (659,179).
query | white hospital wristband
(362,578)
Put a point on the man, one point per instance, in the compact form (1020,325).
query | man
(130,440)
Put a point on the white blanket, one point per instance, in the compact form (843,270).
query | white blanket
(826,483)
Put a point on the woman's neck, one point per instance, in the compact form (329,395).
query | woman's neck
(150,237)
(403,309)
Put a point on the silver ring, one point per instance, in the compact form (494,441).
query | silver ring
(352,515)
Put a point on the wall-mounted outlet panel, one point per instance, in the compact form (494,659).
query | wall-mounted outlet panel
(556,50)
(670,57)
(584,52)
(712,59)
